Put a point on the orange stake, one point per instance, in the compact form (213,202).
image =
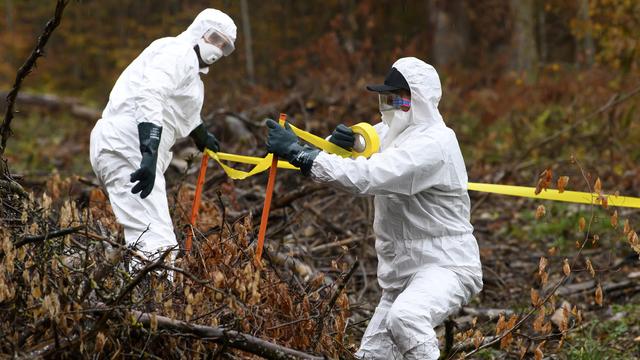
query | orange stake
(196,201)
(267,201)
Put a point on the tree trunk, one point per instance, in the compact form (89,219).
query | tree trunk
(586,47)
(9,12)
(525,57)
(451,34)
(542,35)
(246,29)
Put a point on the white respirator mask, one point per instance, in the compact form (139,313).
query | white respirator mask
(209,53)
(214,45)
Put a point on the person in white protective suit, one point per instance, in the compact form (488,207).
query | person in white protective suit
(428,258)
(156,100)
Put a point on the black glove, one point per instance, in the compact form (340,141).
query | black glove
(284,143)
(343,136)
(149,135)
(204,139)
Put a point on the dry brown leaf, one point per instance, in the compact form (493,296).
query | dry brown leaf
(538,323)
(477,339)
(544,181)
(627,227)
(582,223)
(566,268)
(544,278)
(500,325)
(101,339)
(542,264)
(538,352)
(599,296)
(614,219)
(592,271)
(535,297)
(562,183)
(540,211)
(597,187)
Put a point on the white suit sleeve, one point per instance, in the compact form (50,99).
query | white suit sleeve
(161,77)
(407,170)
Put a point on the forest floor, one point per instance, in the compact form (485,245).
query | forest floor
(318,288)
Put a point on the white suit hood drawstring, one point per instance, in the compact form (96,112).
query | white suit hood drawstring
(206,20)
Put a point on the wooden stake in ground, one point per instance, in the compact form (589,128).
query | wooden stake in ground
(267,200)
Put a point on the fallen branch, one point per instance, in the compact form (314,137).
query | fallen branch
(51,235)
(36,238)
(490,314)
(56,103)
(230,338)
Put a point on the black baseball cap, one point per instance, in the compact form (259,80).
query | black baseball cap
(393,81)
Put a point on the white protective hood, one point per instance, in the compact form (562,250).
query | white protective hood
(426,92)
(209,19)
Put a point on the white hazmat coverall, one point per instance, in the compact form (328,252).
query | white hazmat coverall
(428,258)
(161,86)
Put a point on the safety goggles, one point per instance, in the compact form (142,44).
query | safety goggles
(218,39)
(393,102)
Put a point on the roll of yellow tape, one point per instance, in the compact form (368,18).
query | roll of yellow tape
(371,139)
(366,131)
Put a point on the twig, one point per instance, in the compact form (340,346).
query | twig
(330,245)
(557,285)
(54,234)
(107,315)
(343,283)
(25,69)
(36,238)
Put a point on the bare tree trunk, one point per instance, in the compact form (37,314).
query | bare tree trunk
(586,47)
(246,29)
(524,41)
(9,9)
(542,35)
(451,33)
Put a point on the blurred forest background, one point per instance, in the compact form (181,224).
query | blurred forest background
(531,87)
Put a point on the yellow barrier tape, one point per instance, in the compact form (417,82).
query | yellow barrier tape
(262,164)
(372,146)
(553,194)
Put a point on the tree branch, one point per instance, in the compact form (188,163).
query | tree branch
(230,338)
(25,69)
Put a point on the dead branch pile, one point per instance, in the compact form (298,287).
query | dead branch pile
(68,287)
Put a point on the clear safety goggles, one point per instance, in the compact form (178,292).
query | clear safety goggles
(219,40)
(393,102)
